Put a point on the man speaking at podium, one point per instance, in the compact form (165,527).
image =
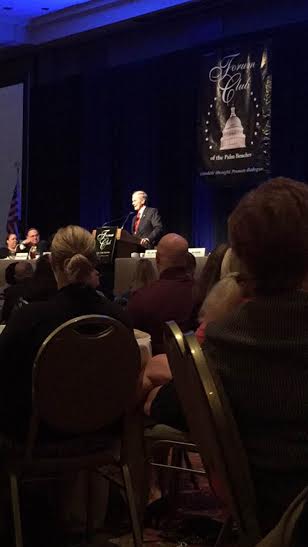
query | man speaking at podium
(147,223)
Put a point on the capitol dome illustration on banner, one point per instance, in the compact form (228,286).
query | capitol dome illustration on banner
(233,135)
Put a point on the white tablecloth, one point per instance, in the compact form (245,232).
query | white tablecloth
(144,342)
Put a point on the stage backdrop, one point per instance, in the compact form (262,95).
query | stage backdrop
(97,135)
(235,115)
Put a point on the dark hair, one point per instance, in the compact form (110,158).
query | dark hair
(10,274)
(10,234)
(210,274)
(30,230)
(269,232)
(43,271)
(191,264)
(43,283)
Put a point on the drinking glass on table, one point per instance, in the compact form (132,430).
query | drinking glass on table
(33,253)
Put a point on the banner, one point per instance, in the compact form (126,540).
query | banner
(235,115)
(14,214)
(105,238)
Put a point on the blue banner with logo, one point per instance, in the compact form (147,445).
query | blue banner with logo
(235,115)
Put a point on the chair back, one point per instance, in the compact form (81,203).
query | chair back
(85,374)
(213,429)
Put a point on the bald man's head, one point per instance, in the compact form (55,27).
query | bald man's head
(172,252)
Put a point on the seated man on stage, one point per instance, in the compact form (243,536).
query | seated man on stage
(33,243)
(147,223)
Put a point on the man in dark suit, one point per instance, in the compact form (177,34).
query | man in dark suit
(146,223)
(33,242)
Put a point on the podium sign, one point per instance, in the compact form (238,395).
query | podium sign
(105,243)
(198,251)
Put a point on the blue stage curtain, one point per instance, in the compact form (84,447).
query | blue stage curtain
(203,231)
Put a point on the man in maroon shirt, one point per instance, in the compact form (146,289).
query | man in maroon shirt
(170,297)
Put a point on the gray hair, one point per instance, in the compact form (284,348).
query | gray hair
(143,194)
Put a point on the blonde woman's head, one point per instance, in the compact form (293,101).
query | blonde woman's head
(230,264)
(145,274)
(73,255)
(224,297)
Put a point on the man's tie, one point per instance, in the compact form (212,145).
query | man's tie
(137,221)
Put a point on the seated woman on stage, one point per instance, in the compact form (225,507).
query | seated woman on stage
(73,260)
(10,249)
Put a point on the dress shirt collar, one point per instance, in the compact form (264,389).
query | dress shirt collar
(141,211)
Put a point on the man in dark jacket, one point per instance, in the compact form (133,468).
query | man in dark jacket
(146,224)
(170,297)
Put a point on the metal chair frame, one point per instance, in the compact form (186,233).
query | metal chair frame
(30,467)
(214,430)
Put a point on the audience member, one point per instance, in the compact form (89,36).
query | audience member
(33,243)
(9,274)
(210,274)
(23,272)
(260,349)
(73,260)
(94,279)
(230,264)
(11,246)
(170,297)
(43,283)
(191,265)
(224,297)
(144,276)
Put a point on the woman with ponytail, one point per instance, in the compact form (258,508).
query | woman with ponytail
(73,261)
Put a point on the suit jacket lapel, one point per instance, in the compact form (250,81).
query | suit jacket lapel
(143,217)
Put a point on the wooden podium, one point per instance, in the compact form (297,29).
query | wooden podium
(126,244)
(113,242)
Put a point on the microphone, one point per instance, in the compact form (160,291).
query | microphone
(112,220)
(116,219)
(126,218)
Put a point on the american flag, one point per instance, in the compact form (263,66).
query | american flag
(14,216)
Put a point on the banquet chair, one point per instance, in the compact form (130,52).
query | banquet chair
(84,380)
(167,449)
(174,446)
(213,429)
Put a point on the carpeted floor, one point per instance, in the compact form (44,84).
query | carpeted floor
(195,519)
